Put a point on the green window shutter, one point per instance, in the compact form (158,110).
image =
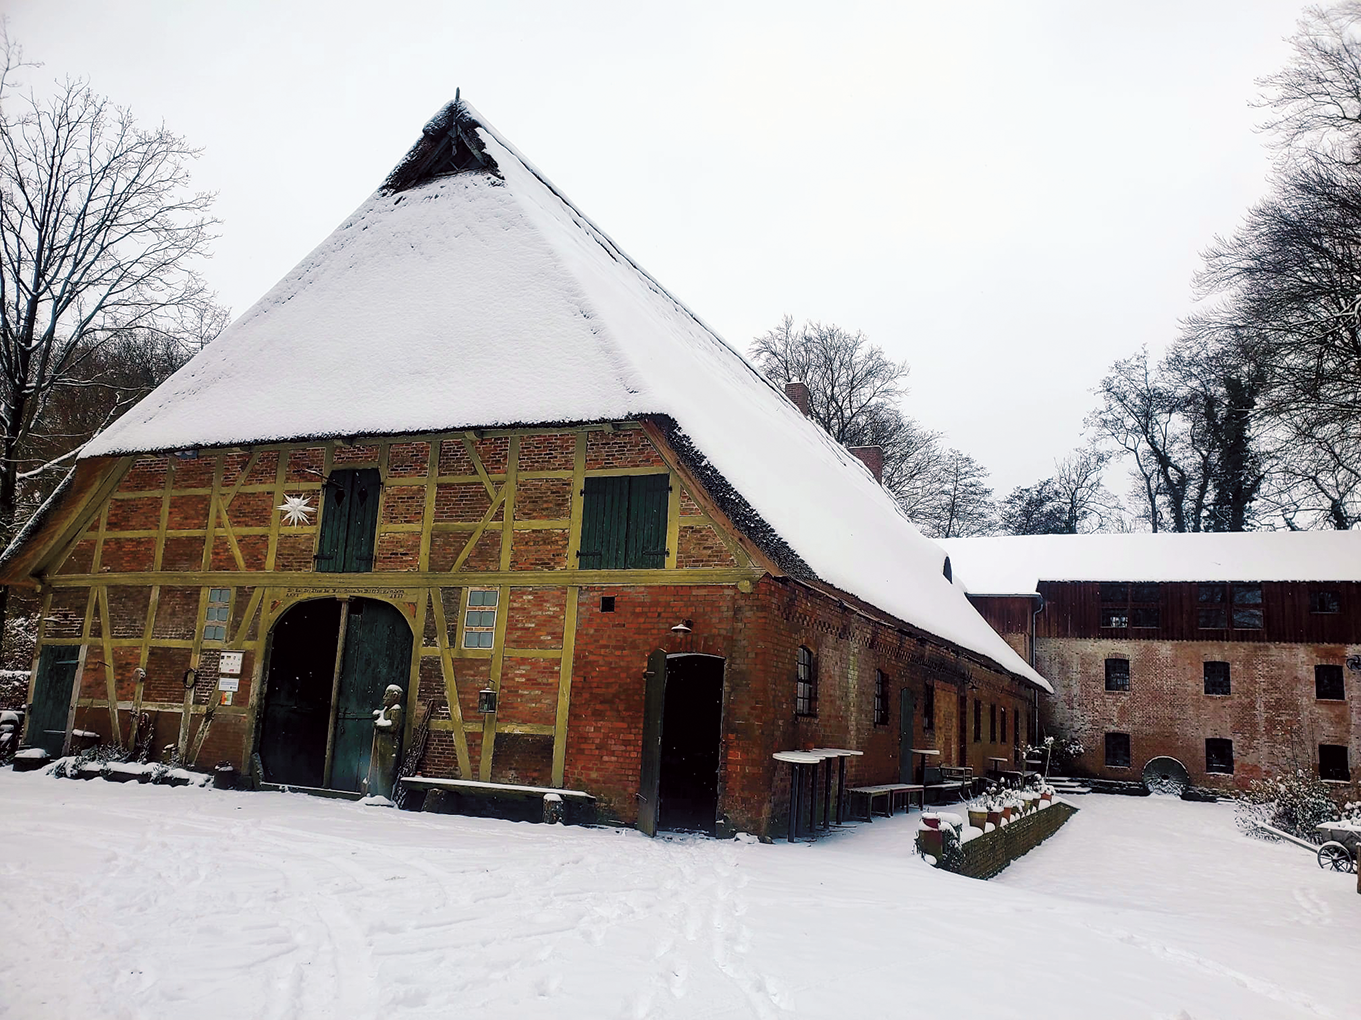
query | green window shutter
(335,511)
(349,521)
(604,523)
(362,529)
(648,495)
(623,522)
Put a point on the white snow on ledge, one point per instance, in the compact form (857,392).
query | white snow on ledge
(477,301)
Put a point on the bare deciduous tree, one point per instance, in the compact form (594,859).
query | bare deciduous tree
(1314,102)
(99,237)
(855,391)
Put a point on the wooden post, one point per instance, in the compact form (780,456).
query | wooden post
(335,691)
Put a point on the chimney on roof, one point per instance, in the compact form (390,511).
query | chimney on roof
(799,394)
(873,458)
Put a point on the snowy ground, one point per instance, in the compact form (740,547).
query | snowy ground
(130,901)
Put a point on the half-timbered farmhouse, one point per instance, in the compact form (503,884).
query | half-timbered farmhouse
(1239,655)
(469,447)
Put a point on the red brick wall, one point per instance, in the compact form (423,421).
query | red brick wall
(757,635)
(1271,714)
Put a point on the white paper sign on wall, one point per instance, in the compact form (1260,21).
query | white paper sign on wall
(230,663)
(229,683)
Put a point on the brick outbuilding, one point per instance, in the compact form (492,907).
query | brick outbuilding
(468,447)
(1239,655)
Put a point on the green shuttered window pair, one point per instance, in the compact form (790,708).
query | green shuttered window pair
(623,522)
(349,521)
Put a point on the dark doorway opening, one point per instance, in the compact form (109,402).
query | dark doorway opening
(692,725)
(297,715)
(309,712)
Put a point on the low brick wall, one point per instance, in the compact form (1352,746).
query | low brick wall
(986,855)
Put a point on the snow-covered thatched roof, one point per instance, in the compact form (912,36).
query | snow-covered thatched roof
(468,292)
(1015,565)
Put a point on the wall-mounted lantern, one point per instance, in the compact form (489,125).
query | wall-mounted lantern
(190,678)
(684,627)
(486,701)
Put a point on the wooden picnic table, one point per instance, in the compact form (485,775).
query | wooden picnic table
(890,792)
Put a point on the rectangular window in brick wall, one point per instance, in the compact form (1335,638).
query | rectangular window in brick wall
(1004,725)
(977,721)
(992,724)
(1332,762)
(479,622)
(1324,600)
(1218,755)
(929,708)
(1217,678)
(1328,684)
(805,683)
(1117,674)
(218,613)
(1117,750)
(880,698)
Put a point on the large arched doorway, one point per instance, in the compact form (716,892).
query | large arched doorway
(316,726)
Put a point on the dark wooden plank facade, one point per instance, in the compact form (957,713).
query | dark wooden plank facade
(1073,610)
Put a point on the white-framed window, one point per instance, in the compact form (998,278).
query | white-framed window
(218,613)
(479,620)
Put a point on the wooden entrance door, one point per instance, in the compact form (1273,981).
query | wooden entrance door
(300,721)
(654,698)
(907,713)
(377,653)
(47,719)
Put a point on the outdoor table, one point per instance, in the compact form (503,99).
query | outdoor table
(998,762)
(925,752)
(841,754)
(798,760)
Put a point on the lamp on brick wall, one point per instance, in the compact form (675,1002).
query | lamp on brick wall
(684,627)
(190,678)
(486,701)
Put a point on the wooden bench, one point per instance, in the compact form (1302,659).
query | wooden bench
(890,792)
(550,799)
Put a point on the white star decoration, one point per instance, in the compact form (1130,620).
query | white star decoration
(296,510)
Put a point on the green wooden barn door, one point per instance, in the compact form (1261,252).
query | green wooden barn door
(378,645)
(349,521)
(649,778)
(52,698)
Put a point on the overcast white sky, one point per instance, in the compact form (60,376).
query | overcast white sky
(1008,195)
